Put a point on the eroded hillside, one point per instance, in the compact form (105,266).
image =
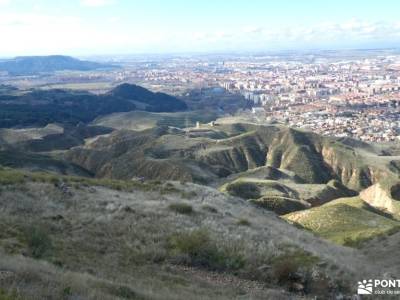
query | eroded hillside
(214,152)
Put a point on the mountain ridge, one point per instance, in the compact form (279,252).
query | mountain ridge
(30,65)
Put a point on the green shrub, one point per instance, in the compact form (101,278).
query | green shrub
(188,195)
(245,190)
(66,292)
(5,295)
(181,208)
(8,177)
(168,189)
(286,268)
(210,209)
(353,242)
(124,292)
(284,271)
(197,248)
(243,222)
(38,241)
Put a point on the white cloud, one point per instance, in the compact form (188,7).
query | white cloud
(95,3)
(44,34)
(4,2)
(353,29)
(353,33)
(253,29)
(38,33)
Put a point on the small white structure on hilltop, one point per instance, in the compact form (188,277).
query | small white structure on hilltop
(258,110)
(197,125)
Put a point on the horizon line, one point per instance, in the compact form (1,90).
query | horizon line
(216,52)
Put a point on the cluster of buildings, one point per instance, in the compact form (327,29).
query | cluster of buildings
(359,99)
(346,96)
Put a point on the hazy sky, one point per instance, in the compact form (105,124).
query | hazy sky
(83,27)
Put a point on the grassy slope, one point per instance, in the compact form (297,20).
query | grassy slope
(12,136)
(39,162)
(122,237)
(345,221)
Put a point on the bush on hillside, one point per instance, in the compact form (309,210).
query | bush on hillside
(197,248)
(39,242)
(244,190)
(181,208)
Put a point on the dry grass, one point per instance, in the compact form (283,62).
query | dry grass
(117,241)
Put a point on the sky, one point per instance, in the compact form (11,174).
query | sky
(106,27)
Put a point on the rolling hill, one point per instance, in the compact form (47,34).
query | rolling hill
(29,65)
(41,107)
(145,99)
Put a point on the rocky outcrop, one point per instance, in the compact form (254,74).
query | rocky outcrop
(381,197)
(351,168)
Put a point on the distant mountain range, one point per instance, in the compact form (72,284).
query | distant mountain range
(41,107)
(28,65)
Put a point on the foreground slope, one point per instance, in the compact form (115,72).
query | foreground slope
(76,237)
